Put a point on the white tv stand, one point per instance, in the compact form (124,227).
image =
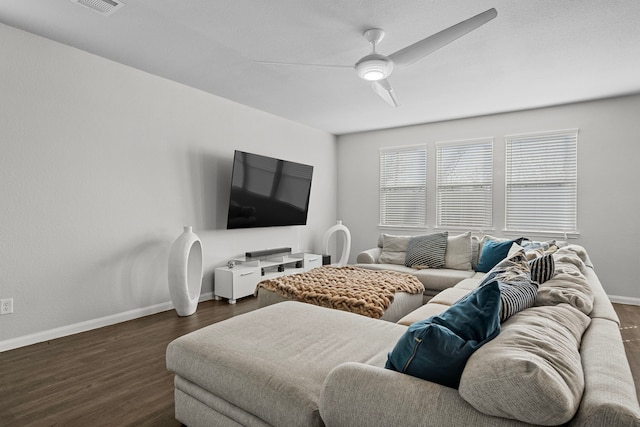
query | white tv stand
(241,280)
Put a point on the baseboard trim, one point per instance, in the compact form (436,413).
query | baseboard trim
(89,325)
(624,300)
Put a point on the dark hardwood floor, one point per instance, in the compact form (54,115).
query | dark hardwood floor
(630,330)
(112,376)
(116,376)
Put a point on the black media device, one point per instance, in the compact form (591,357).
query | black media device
(268,192)
(267,252)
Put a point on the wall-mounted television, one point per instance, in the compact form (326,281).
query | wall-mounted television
(268,192)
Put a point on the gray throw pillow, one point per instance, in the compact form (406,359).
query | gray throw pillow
(427,251)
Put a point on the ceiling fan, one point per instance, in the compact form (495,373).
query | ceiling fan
(376,68)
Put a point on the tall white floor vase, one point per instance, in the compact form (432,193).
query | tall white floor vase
(346,243)
(185,272)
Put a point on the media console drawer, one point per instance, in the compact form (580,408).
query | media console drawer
(237,282)
(312,261)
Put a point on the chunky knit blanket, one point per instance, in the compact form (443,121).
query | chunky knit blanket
(361,291)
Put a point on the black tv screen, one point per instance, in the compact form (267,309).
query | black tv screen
(268,192)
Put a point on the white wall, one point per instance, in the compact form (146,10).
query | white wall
(101,167)
(608,196)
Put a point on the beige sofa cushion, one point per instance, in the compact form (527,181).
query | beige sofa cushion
(437,304)
(449,296)
(470,283)
(532,371)
(602,307)
(394,249)
(568,285)
(423,312)
(438,279)
(458,254)
(433,279)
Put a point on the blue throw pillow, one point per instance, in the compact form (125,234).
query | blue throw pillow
(437,349)
(492,253)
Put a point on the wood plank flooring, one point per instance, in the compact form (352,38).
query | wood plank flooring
(116,376)
(630,330)
(112,376)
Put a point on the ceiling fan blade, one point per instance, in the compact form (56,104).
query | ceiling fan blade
(383,89)
(426,46)
(303,64)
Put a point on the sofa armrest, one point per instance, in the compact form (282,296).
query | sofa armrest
(609,391)
(370,256)
(355,394)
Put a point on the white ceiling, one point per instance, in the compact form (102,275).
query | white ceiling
(534,54)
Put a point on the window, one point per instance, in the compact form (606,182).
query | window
(403,186)
(542,182)
(464,183)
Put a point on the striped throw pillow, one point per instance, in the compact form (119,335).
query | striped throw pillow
(542,268)
(427,251)
(517,290)
(516,296)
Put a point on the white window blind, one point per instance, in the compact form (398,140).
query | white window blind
(542,182)
(464,186)
(403,187)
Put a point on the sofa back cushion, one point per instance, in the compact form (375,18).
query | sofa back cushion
(532,371)
(569,284)
(461,251)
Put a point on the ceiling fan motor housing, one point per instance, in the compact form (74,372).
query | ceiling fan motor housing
(374,67)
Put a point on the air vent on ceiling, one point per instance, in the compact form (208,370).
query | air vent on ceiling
(103,7)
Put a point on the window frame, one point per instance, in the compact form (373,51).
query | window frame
(415,188)
(567,140)
(479,189)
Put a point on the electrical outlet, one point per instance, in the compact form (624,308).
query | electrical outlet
(6,306)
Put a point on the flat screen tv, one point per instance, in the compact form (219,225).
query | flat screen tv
(268,192)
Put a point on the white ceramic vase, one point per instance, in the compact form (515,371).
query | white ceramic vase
(185,272)
(346,243)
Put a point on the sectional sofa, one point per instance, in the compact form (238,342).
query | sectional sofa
(559,362)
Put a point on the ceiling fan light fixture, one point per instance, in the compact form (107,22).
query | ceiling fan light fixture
(374,67)
(372,74)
